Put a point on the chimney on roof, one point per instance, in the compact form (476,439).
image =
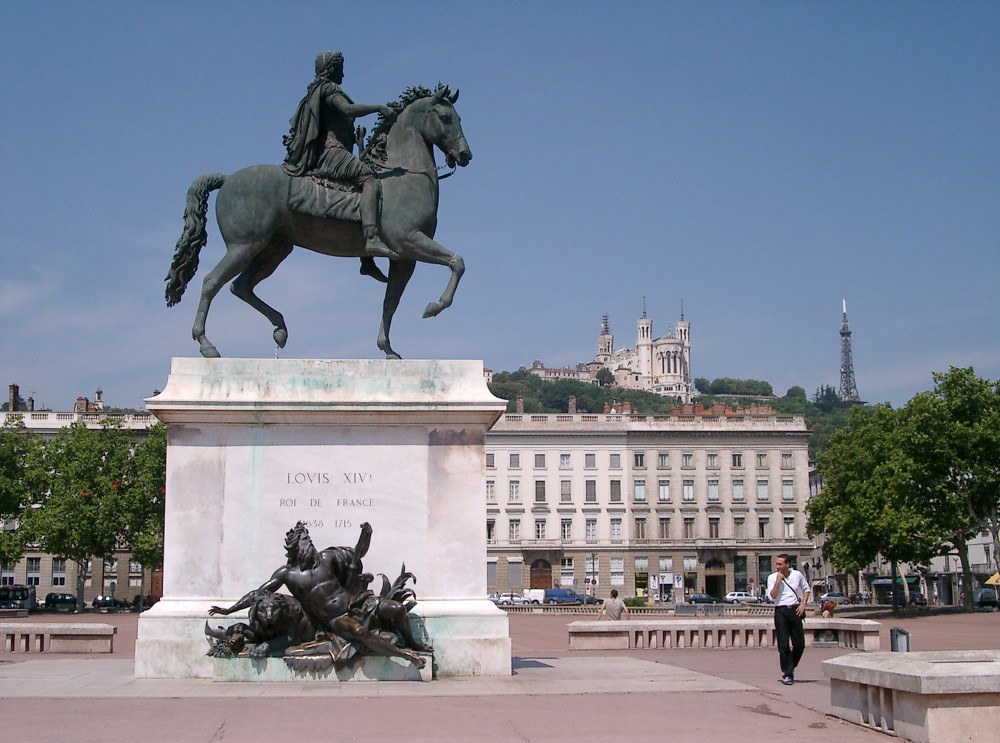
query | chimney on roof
(31,405)
(519,402)
(571,405)
(13,397)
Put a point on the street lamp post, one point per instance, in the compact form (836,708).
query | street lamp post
(593,570)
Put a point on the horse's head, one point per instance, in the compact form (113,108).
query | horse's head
(443,127)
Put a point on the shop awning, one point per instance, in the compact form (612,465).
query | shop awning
(993,580)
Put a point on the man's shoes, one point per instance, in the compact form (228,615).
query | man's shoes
(787,680)
(375,248)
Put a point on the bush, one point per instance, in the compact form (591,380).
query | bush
(635,602)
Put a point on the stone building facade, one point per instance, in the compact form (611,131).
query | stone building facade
(695,501)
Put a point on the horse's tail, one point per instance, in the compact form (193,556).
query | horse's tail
(193,237)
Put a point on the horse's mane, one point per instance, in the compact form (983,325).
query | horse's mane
(375,146)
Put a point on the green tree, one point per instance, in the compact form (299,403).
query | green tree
(142,501)
(78,515)
(702,385)
(604,377)
(17,451)
(796,392)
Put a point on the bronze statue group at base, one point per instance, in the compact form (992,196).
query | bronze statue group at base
(330,617)
(327,200)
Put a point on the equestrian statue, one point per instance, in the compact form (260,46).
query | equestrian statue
(327,200)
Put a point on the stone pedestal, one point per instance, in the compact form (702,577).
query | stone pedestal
(255,445)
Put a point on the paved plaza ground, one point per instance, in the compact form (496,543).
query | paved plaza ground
(554,694)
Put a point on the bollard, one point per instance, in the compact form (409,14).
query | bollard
(899,640)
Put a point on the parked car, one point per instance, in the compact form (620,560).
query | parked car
(592,600)
(18,597)
(562,596)
(60,601)
(835,596)
(741,597)
(508,598)
(702,598)
(918,600)
(109,602)
(984,597)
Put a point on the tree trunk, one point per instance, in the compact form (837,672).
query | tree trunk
(81,579)
(967,584)
(895,588)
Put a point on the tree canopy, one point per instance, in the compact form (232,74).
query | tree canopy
(914,482)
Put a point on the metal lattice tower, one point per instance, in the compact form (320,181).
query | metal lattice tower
(848,391)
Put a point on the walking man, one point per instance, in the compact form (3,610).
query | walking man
(789,590)
(614,607)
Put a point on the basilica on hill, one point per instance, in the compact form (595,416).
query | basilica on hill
(661,365)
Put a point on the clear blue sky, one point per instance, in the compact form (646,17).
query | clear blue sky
(760,161)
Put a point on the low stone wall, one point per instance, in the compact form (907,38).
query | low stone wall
(715,633)
(57,637)
(927,697)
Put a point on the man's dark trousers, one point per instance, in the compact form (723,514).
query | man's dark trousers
(788,626)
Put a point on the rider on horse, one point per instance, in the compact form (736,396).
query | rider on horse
(320,143)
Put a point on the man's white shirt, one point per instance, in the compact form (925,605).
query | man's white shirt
(793,588)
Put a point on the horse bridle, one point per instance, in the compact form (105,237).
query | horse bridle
(399,170)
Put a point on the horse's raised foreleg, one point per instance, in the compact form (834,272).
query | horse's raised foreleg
(258,270)
(399,274)
(236,259)
(426,250)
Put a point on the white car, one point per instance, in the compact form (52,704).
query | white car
(741,597)
(508,598)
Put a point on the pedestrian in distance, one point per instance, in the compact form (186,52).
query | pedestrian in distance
(614,607)
(789,590)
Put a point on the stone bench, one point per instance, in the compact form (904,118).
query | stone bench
(57,637)
(721,632)
(927,697)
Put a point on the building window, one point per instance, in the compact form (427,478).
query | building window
(616,528)
(713,528)
(590,461)
(539,528)
(737,460)
(515,461)
(566,530)
(739,528)
(539,461)
(618,571)
(110,573)
(490,460)
(713,461)
(687,460)
(786,460)
(713,490)
(689,528)
(688,493)
(640,528)
(789,528)
(566,491)
(566,571)
(34,572)
(761,460)
(664,527)
(491,491)
(638,459)
(787,491)
(564,461)
(663,490)
(666,564)
(591,529)
(616,491)
(539,491)
(663,459)
(737,490)
(6,573)
(762,524)
(514,574)
(514,491)
(491,530)
(762,490)
(514,530)
(491,574)
(640,490)
(641,564)
(591,491)
(59,571)
(616,461)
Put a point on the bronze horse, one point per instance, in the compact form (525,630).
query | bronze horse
(260,230)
